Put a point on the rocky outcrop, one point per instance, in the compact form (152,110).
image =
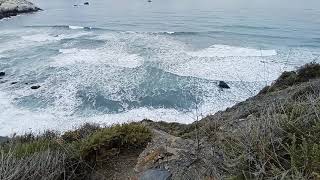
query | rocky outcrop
(176,158)
(10,8)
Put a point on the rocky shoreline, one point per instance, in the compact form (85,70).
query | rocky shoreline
(10,8)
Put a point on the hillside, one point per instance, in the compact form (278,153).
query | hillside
(273,135)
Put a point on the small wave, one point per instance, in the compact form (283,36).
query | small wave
(316,40)
(71,27)
(231,51)
(80,27)
(249,27)
(41,37)
(76,27)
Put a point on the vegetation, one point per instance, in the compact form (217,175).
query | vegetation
(303,74)
(69,156)
(282,142)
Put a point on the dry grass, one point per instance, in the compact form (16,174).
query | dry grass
(282,143)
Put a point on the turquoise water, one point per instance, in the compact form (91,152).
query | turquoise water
(119,61)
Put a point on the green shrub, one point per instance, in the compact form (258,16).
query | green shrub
(80,133)
(111,140)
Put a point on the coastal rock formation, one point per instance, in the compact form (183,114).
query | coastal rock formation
(10,8)
(180,158)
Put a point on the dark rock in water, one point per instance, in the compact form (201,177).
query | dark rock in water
(149,0)
(14,82)
(224,85)
(75,5)
(86,3)
(35,87)
(2,73)
(156,174)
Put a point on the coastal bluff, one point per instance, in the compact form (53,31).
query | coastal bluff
(10,8)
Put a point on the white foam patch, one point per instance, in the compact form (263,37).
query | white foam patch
(19,120)
(16,120)
(76,27)
(229,51)
(222,62)
(97,56)
(230,69)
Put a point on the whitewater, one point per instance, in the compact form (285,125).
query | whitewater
(160,64)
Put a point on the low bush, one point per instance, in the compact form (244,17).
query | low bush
(110,141)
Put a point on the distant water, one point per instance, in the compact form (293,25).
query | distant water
(118,61)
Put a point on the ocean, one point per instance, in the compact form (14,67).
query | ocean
(127,60)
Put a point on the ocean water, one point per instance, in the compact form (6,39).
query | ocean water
(119,61)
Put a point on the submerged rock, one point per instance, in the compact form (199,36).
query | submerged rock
(86,3)
(35,87)
(10,8)
(15,82)
(2,74)
(224,85)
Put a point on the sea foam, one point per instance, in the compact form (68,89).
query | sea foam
(97,56)
(229,51)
